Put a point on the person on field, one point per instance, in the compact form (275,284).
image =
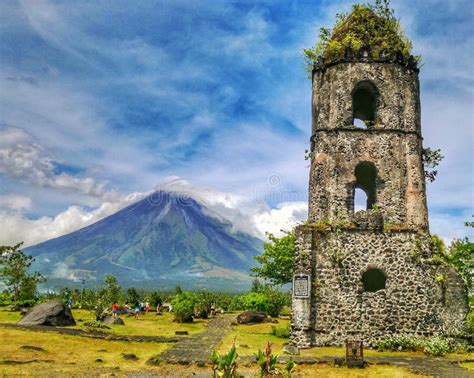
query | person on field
(114,310)
(136,310)
(147,307)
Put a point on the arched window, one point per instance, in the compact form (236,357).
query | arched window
(366,175)
(373,280)
(364,104)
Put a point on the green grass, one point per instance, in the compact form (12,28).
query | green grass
(255,336)
(69,355)
(145,325)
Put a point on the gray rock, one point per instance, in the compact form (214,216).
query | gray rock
(113,321)
(252,317)
(291,349)
(52,313)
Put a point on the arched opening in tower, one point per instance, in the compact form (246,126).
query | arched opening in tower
(373,280)
(366,175)
(364,104)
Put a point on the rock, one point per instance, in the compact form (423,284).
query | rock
(52,313)
(99,360)
(113,321)
(32,347)
(130,356)
(154,361)
(251,317)
(243,346)
(181,332)
(125,311)
(291,349)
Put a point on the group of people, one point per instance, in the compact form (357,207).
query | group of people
(143,306)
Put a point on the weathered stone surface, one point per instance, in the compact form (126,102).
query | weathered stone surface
(372,273)
(252,317)
(113,321)
(291,349)
(52,313)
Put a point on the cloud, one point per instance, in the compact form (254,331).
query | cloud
(61,270)
(16,226)
(22,158)
(15,202)
(215,93)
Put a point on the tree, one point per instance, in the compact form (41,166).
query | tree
(277,259)
(132,295)
(14,273)
(112,288)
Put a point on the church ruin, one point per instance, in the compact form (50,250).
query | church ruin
(369,274)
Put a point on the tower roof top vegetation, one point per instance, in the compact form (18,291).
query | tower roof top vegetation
(368,32)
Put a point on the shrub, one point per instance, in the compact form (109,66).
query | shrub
(283,332)
(399,343)
(435,346)
(183,306)
(269,301)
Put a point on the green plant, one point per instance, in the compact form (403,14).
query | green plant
(282,332)
(267,361)
(276,261)
(289,367)
(373,27)
(14,265)
(431,159)
(183,306)
(437,347)
(226,365)
(269,300)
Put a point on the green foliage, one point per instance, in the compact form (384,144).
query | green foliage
(14,266)
(431,159)
(269,300)
(268,364)
(282,332)
(267,361)
(435,346)
(277,259)
(226,365)
(132,295)
(183,306)
(372,26)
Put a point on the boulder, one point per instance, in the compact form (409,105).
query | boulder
(52,313)
(252,317)
(291,349)
(114,321)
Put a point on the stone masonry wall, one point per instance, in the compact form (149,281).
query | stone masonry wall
(413,302)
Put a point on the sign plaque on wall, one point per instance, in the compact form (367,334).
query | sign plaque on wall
(301,285)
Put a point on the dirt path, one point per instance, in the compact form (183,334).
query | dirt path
(198,348)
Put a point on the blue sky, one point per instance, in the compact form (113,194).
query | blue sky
(102,101)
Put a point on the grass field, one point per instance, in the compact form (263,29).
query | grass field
(145,325)
(74,355)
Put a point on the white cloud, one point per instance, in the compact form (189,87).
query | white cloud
(21,157)
(15,202)
(16,226)
(61,270)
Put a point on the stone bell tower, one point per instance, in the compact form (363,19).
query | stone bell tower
(368,273)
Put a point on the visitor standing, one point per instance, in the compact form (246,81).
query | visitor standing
(114,310)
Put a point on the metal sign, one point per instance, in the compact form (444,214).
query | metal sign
(301,285)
